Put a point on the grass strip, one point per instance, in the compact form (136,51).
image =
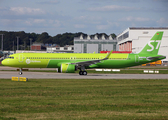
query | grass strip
(84,99)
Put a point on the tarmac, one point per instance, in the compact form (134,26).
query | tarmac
(48,75)
(55,75)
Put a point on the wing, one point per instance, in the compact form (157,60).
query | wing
(87,63)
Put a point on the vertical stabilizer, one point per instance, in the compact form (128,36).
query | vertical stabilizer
(152,47)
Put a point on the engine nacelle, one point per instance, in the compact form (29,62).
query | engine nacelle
(67,68)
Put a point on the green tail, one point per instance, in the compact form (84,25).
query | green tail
(153,45)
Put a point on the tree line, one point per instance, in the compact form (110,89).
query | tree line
(10,39)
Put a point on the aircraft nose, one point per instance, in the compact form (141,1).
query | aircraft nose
(3,62)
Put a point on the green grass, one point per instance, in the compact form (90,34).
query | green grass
(84,99)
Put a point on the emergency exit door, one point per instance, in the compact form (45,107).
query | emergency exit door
(136,58)
(21,58)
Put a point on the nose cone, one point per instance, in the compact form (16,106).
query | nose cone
(8,62)
(4,62)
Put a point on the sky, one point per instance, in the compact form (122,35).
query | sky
(88,16)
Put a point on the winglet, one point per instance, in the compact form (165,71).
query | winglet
(107,57)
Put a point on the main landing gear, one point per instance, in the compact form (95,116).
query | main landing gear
(82,71)
(20,73)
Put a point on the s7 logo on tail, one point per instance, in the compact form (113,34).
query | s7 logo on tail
(152,46)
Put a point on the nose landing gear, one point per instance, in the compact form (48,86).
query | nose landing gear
(20,73)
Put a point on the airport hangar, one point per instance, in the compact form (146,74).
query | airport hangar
(91,44)
(134,39)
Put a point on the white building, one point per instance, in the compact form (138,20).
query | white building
(134,39)
(58,49)
(94,44)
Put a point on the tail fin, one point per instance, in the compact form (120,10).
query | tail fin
(153,45)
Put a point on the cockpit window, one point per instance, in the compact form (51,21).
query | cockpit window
(11,57)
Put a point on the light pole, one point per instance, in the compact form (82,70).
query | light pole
(13,47)
(2,42)
(30,42)
(17,42)
(81,45)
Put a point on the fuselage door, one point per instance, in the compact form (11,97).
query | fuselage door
(21,58)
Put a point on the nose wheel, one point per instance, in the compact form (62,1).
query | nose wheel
(20,73)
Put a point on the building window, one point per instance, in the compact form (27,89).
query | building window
(65,48)
(145,32)
(124,36)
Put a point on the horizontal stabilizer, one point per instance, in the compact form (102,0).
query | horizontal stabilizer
(158,57)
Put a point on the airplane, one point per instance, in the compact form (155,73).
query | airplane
(70,62)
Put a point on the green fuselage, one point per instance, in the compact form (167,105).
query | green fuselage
(54,60)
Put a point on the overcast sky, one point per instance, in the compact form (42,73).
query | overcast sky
(88,16)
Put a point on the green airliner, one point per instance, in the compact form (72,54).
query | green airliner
(70,62)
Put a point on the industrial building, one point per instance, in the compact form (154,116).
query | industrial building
(51,48)
(134,39)
(38,46)
(95,44)
(58,49)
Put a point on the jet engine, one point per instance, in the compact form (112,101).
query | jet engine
(68,68)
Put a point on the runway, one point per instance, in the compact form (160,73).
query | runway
(52,75)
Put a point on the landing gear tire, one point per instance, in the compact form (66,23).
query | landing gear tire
(82,72)
(20,73)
